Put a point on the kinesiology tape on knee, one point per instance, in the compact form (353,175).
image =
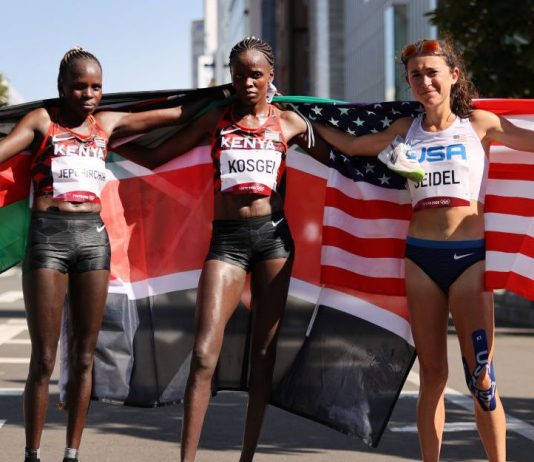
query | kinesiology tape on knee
(485,396)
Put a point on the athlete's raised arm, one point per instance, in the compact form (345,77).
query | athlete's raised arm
(28,131)
(498,129)
(365,145)
(298,131)
(127,123)
(181,142)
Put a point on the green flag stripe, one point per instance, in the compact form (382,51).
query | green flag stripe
(15,219)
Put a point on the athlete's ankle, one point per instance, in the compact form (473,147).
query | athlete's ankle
(71,455)
(32,455)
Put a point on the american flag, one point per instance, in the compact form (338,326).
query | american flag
(367,207)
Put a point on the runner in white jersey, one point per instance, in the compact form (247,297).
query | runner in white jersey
(445,257)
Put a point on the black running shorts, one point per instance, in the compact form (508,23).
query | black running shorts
(246,241)
(70,242)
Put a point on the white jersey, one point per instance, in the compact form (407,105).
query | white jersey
(455,163)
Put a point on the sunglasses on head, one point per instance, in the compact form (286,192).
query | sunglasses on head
(422,47)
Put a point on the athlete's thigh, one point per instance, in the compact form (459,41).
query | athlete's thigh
(44,297)
(472,308)
(270,284)
(218,295)
(87,300)
(429,314)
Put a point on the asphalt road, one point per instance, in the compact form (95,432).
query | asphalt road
(121,434)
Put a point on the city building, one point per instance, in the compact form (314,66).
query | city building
(340,49)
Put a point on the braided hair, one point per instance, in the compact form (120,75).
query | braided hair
(252,43)
(74,54)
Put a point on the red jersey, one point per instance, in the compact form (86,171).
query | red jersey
(68,165)
(248,160)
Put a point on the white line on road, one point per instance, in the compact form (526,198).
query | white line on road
(20,341)
(11,296)
(449,427)
(14,360)
(10,331)
(15,271)
(466,401)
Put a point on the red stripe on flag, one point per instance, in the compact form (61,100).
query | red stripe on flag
(506,106)
(510,205)
(364,247)
(524,172)
(15,179)
(147,244)
(334,277)
(304,210)
(510,243)
(370,209)
(521,285)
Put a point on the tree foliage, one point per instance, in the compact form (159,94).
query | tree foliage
(496,41)
(4,93)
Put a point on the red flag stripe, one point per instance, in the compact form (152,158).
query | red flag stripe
(511,172)
(509,205)
(333,276)
(521,285)
(364,247)
(370,209)
(15,179)
(507,106)
(513,243)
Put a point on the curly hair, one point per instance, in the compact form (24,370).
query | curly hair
(70,57)
(252,43)
(463,91)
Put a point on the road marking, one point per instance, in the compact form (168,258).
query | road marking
(11,272)
(14,360)
(466,401)
(11,391)
(18,342)
(10,330)
(11,296)
(449,427)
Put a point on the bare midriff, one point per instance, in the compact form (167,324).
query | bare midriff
(46,202)
(449,223)
(236,206)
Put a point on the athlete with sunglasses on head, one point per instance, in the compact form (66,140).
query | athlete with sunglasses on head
(445,251)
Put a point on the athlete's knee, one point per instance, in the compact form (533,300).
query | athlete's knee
(42,365)
(82,362)
(481,381)
(434,375)
(204,360)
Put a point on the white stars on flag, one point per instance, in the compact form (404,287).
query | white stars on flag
(369,168)
(386,122)
(384,179)
(333,121)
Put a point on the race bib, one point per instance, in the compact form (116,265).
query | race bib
(446,185)
(252,171)
(78,178)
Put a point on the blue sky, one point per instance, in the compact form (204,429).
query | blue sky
(141,44)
